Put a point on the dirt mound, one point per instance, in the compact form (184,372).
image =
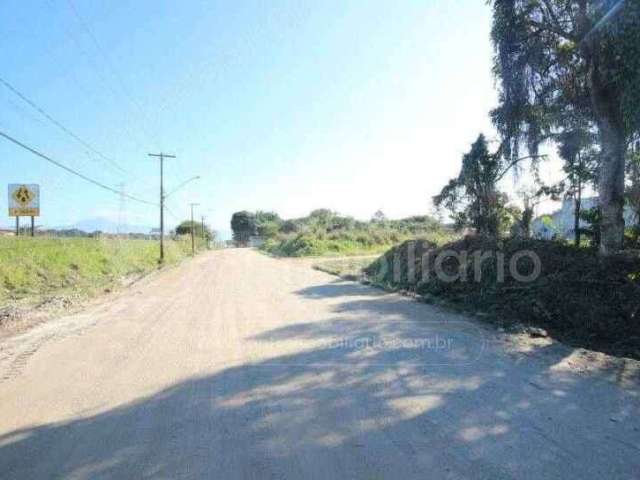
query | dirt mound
(576,295)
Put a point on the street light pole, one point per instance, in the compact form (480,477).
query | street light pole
(193,239)
(162,156)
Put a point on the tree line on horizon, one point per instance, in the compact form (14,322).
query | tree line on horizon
(326,232)
(266,225)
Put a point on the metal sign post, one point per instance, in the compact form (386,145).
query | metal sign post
(24,201)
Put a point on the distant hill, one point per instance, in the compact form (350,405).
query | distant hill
(105,225)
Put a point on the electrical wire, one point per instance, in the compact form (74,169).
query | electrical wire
(59,125)
(74,172)
(107,61)
(170,212)
(100,75)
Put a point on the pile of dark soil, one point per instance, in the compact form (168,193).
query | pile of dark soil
(577,296)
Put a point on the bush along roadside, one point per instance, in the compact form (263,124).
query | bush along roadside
(327,233)
(577,296)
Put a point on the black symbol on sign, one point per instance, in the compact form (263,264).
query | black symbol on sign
(23,196)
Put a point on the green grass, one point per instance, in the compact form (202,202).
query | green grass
(348,268)
(32,267)
(345,243)
(353,268)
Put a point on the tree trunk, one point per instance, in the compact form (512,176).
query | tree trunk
(611,188)
(634,192)
(527,225)
(527,216)
(576,222)
(606,103)
(577,208)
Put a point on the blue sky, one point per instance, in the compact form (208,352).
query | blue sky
(280,105)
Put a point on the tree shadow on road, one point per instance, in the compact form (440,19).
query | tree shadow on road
(337,289)
(339,408)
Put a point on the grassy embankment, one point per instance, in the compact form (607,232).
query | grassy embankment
(578,297)
(351,268)
(37,267)
(319,244)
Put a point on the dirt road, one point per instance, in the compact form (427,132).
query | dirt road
(239,366)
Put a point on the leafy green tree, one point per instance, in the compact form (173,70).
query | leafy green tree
(186,226)
(379,217)
(576,56)
(289,226)
(593,218)
(529,202)
(576,148)
(268,230)
(473,197)
(340,222)
(267,217)
(267,224)
(243,225)
(322,216)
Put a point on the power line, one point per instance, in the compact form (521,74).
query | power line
(114,72)
(55,182)
(100,75)
(170,212)
(73,172)
(58,124)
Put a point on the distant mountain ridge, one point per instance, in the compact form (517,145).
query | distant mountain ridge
(101,224)
(104,225)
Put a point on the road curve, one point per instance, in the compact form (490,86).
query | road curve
(239,366)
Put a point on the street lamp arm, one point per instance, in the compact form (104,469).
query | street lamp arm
(182,185)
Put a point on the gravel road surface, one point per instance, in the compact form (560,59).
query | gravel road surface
(235,365)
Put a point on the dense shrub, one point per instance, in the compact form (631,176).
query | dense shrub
(324,232)
(579,296)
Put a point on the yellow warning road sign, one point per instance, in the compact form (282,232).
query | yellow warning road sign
(24,200)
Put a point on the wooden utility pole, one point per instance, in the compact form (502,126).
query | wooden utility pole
(161,156)
(205,238)
(193,227)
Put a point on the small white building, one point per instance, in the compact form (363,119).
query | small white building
(561,222)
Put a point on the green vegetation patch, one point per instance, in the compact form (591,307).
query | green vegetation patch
(579,297)
(38,266)
(351,268)
(325,233)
